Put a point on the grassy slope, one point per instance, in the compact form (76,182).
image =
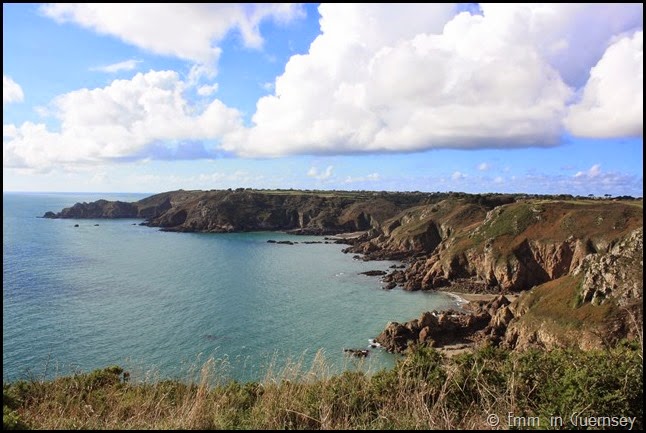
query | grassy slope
(424,391)
(599,221)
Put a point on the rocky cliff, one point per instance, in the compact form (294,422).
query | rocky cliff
(243,210)
(578,262)
(597,305)
(509,248)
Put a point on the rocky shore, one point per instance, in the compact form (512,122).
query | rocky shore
(552,270)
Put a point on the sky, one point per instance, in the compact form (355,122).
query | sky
(522,98)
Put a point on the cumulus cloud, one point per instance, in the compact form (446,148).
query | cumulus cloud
(11,91)
(126,65)
(484,166)
(207,89)
(379,78)
(389,78)
(370,85)
(612,104)
(571,37)
(118,121)
(321,175)
(187,31)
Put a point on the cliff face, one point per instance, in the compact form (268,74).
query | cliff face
(97,209)
(617,274)
(596,306)
(240,210)
(509,248)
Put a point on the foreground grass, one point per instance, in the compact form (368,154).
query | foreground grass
(424,391)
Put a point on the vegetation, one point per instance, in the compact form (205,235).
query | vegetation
(424,391)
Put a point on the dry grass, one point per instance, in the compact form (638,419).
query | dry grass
(424,391)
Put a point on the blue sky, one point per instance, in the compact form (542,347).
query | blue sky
(448,97)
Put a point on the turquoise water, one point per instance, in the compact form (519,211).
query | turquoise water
(118,293)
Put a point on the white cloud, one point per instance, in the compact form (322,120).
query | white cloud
(416,85)
(372,177)
(126,65)
(394,78)
(11,91)
(207,89)
(613,100)
(594,171)
(320,175)
(379,78)
(458,176)
(187,31)
(571,37)
(118,121)
(498,179)
(484,166)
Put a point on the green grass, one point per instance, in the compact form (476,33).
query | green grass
(559,301)
(424,391)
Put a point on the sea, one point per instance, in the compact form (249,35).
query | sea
(162,304)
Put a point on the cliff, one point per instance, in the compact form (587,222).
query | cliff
(475,243)
(243,210)
(575,261)
(595,306)
(509,248)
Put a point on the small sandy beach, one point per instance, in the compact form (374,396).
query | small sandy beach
(345,236)
(475,297)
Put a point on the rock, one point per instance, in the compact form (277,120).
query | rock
(617,274)
(424,334)
(427,319)
(373,273)
(359,353)
(271,241)
(395,337)
(97,209)
(76,225)
(502,317)
(390,285)
(96,225)
(434,329)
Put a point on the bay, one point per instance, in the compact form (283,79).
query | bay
(160,304)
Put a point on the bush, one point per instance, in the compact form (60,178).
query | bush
(423,391)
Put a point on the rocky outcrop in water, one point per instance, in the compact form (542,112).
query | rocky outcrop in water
(437,329)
